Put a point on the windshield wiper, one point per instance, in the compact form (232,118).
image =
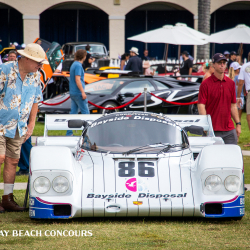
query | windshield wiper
(145,146)
(168,147)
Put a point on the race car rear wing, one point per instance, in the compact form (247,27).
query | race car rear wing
(60,122)
(203,121)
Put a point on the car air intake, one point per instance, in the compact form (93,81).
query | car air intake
(67,64)
(195,155)
(103,63)
(213,208)
(62,210)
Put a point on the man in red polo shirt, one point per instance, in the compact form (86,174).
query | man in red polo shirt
(217,98)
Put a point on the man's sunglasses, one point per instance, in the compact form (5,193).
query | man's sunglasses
(40,63)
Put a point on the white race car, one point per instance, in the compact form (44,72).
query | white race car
(135,164)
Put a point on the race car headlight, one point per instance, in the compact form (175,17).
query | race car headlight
(232,183)
(42,185)
(213,183)
(60,184)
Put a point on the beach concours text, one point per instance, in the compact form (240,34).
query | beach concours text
(48,233)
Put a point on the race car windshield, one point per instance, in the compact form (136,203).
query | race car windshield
(105,87)
(95,49)
(118,136)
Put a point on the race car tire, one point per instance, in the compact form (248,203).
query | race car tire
(109,105)
(193,108)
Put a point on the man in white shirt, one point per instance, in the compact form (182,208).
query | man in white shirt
(244,77)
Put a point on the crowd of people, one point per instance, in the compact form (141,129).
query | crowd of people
(12,54)
(218,93)
(131,61)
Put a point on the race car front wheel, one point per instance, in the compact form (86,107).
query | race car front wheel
(109,105)
(193,109)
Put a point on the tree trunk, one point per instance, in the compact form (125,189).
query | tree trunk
(203,51)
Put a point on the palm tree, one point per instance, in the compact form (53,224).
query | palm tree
(203,51)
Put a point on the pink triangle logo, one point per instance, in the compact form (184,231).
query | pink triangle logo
(131,184)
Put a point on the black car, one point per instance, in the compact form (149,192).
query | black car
(114,92)
(97,50)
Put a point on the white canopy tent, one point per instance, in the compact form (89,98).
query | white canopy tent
(180,34)
(239,34)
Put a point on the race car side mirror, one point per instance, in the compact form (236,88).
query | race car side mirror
(77,123)
(196,130)
(128,94)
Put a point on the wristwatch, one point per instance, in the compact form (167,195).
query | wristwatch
(238,123)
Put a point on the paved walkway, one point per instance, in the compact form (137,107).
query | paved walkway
(17,185)
(246,152)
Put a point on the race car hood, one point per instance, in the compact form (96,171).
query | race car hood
(150,185)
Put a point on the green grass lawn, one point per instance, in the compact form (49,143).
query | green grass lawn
(247,169)
(245,133)
(129,233)
(39,131)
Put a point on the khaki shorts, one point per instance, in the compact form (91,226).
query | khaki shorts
(11,147)
(248,103)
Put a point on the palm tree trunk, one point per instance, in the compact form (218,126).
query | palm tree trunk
(203,51)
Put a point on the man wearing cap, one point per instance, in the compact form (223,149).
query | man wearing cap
(232,58)
(244,77)
(187,64)
(217,99)
(226,54)
(134,63)
(20,92)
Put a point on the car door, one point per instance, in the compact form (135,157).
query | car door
(54,55)
(164,91)
(136,87)
(66,50)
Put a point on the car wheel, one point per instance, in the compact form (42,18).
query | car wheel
(109,105)
(193,109)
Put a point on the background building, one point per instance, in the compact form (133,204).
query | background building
(112,21)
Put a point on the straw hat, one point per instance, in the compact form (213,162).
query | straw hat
(34,52)
(146,64)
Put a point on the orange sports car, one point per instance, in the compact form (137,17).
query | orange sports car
(55,56)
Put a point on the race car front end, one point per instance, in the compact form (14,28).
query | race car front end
(55,183)
(221,182)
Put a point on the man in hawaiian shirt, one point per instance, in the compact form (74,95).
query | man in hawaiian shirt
(20,93)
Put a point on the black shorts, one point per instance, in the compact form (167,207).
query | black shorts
(229,137)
